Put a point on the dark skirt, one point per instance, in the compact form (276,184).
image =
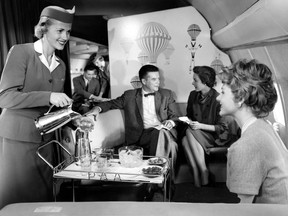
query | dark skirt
(24,177)
(205,139)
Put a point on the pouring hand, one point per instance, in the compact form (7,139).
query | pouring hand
(60,99)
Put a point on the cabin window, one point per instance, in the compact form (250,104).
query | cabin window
(278,111)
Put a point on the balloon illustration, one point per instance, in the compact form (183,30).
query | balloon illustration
(153,39)
(126,44)
(217,65)
(135,82)
(168,52)
(193,30)
(143,58)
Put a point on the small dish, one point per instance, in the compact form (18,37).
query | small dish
(159,161)
(152,171)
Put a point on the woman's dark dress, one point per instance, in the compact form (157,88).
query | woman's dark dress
(206,110)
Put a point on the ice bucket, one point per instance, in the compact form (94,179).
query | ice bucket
(130,156)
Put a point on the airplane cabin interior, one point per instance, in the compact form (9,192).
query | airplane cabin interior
(176,36)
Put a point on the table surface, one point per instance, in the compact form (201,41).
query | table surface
(114,172)
(141,209)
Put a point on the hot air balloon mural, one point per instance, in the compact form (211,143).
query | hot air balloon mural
(193,31)
(153,39)
(126,44)
(217,65)
(143,58)
(168,52)
(135,82)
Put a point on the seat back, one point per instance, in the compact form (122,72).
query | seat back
(108,132)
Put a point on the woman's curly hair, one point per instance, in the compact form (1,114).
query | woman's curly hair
(252,82)
(42,27)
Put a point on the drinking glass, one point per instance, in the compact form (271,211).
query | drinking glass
(84,153)
(101,162)
(109,152)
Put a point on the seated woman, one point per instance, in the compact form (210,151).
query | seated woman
(257,168)
(206,128)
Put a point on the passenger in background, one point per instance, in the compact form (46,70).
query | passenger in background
(205,128)
(86,90)
(102,74)
(257,167)
(33,78)
(146,111)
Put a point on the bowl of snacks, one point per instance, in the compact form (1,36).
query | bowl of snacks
(158,161)
(152,171)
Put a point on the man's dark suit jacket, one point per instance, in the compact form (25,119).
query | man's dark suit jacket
(131,102)
(80,94)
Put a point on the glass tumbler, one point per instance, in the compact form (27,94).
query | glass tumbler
(84,153)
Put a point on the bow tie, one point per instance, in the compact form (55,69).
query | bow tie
(149,94)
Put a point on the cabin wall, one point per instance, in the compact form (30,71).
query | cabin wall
(140,39)
(261,33)
(275,57)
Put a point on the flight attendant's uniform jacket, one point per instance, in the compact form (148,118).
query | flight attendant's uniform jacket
(25,90)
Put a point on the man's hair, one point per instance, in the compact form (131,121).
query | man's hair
(90,67)
(145,69)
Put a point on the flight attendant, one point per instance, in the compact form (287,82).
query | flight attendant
(32,80)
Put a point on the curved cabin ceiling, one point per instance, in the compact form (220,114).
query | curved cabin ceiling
(91,16)
(219,13)
(264,22)
(232,22)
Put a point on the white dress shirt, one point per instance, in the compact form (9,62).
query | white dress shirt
(149,112)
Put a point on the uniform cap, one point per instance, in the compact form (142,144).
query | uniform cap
(59,13)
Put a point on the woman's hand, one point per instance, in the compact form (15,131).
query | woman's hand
(60,99)
(195,125)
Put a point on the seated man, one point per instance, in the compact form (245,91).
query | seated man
(146,111)
(86,89)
